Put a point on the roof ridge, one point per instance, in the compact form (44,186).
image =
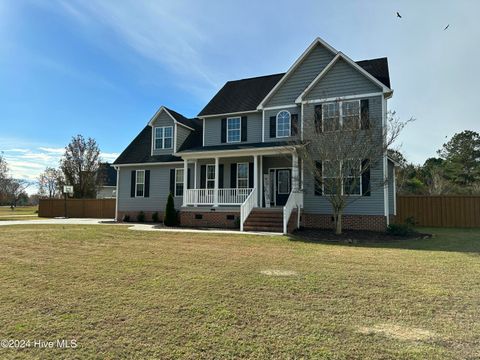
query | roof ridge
(256,77)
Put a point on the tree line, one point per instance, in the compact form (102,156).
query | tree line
(79,167)
(455,170)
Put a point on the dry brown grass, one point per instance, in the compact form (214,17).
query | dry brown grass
(131,294)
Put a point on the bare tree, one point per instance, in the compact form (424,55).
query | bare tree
(80,164)
(341,151)
(15,189)
(50,183)
(3,178)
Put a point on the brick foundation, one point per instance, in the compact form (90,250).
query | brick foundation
(210,219)
(349,222)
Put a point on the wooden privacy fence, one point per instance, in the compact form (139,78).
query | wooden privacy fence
(441,210)
(77,208)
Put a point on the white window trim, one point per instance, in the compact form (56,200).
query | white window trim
(177,182)
(240,130)
(137,183)
(342,185)
(248,173)
(340,114)
(163,137)
(206,176)
(289,125)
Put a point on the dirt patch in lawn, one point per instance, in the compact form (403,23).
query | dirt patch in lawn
(398,332)
(352,236)
(278,272)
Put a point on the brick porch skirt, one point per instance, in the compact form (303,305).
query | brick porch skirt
(207,218)
(349,222)
(133,215)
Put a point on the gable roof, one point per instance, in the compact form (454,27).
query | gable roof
(107,174)
(241,95)
(246,94)
(176,117)
(356,66)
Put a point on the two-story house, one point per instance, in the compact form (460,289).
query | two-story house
(236,165)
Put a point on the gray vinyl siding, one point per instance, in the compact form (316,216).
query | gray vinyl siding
(268,113)
(226,168)
(363,205)
(182,134)
(163,119)
(213,129)
(310,67)
(159,189)
(391,190)
(342,80)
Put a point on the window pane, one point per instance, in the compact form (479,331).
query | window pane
(140,176)
(242,170)
(179,189)
(168,143)
(351,186)
(243,183)
(351,115)
(158,143)
(210,172)
(330,186)
(159,132)
(233,129)
(139,189)
(283,124)
(331,117)
(179,176)
(168,132)
(330,168)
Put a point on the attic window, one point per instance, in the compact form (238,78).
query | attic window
(163,137)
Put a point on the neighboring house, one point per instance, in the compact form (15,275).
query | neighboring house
(231,165)
(107,180)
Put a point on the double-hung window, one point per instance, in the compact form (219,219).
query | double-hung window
(331,116)
(210,176)
(140,183)
(234,129)
(341,115)
(178,182)
(242,175)
(163,137)
(351,115)
(342,176)
(352,176)
(283,124)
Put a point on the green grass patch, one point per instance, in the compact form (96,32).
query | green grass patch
(131,294)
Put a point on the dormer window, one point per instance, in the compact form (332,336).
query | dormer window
(283,124)
(163,137)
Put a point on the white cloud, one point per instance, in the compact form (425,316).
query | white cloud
(59,150)
(109,157)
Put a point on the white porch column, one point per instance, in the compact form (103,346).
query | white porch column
(185,182)
(195,183)
(260,185)
(255,175)
(295,172)
(215,190)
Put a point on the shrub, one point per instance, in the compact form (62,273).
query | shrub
(126,218)
(170,218)
(400,230)
(155,217)
(141,216)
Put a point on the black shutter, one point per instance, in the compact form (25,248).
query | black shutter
(244,128)
(172,181)
(366,178)
(233,175)
(132,184)
(224,130)
(220,176)
(273,127)
(189,185)
(364,114)
(250,175)
(294,124)
(147,183)
(203,176)
(318,118)
(317,180)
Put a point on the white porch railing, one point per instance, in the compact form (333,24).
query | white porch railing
(247,206)
(295,201)
(233,196)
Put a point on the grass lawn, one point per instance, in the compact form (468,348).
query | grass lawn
(124,294)
(20,213)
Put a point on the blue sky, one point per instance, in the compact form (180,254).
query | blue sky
(102,68)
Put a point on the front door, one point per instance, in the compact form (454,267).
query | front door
(280,181)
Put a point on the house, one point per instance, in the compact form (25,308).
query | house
(232,166)
(107,182)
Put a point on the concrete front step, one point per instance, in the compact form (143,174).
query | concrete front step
(268,220)
(278,229)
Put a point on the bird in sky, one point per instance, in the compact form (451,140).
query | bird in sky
(446,27)
(398,15)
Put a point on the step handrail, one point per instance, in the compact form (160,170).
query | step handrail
(247,206)
(295,200)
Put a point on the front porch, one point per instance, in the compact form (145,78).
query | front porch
(243,182)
